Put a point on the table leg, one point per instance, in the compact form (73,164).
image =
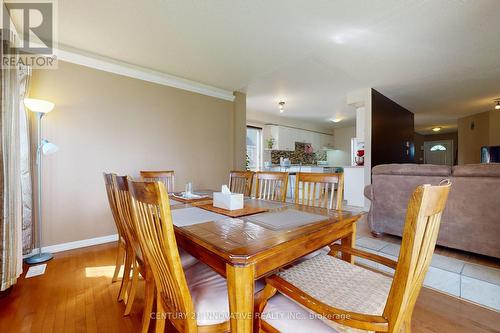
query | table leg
(240,287)
(349,241)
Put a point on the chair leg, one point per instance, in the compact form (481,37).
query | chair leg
(160,316)
(149,296)
(132,289)
(126,275)
(261,300)
(119,261)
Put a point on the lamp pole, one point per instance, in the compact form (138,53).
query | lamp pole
(39,257)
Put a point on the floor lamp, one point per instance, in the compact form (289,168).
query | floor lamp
(44,147)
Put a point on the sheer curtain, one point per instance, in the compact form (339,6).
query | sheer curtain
(13,139)
(26,162)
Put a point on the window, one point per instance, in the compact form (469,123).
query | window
(254,148)
(438,148)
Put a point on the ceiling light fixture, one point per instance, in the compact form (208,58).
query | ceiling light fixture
(497,107)
(282,106)
(348,35)
(336,120)
(436,129)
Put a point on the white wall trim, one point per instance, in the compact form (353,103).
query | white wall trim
(75,245)
(137,72)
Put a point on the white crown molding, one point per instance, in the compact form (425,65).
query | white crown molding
(75,245)
(122,68)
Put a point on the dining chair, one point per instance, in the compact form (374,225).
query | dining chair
(318,189)
(350,297)
(167,177)
(241,182)
(193,299)
(122,244)
(138,264)
(271,185)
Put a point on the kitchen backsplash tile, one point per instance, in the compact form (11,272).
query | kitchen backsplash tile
(299,155)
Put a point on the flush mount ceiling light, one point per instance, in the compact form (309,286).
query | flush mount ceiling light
(336,120)
(436,129)
(282,106)
(348,35)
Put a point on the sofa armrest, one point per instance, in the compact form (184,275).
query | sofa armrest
(368,192)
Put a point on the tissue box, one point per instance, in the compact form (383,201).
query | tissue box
(231,201)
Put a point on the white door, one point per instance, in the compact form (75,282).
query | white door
(438,152)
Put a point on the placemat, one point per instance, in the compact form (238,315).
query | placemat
(194,215)
(245,211)
(285,219)
(177,197)
(265,203)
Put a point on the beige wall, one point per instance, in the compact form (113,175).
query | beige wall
(341,156)
(106,122)
(470,140)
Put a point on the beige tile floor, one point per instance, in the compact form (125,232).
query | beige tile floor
(465,275)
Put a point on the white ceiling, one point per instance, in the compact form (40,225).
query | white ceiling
(440,58)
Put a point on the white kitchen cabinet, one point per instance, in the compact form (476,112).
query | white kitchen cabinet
(327,140)
(268,132)
(307,136)
(317,141)
(285,138)
(287,141)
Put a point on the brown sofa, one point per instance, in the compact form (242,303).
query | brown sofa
(471,220)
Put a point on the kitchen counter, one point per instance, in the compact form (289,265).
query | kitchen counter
(353,179)
(308,165)
(277,165)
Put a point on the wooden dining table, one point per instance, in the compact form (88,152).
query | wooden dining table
(243,251)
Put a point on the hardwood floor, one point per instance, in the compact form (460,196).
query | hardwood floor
(76,295)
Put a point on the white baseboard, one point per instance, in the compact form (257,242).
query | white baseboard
(75,245)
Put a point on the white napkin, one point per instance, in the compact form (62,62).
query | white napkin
(225,189)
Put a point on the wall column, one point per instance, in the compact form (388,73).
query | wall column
(240,136)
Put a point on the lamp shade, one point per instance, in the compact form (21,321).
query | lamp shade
(49,148)
(38,105)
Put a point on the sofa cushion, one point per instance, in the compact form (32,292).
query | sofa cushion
(477,170)
(412,170)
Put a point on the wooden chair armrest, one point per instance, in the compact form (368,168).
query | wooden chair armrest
(352,319)
(363,254)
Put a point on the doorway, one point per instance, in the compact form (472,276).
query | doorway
(439,152)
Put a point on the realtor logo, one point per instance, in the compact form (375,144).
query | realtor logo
(33,24)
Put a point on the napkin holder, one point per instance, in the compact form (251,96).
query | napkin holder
(227,200)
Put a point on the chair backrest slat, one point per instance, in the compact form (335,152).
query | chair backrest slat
(112,200)
(241,182)
(271,185)
(125,211)
(153,222)
(420,233)
(318,189)
(166,177)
